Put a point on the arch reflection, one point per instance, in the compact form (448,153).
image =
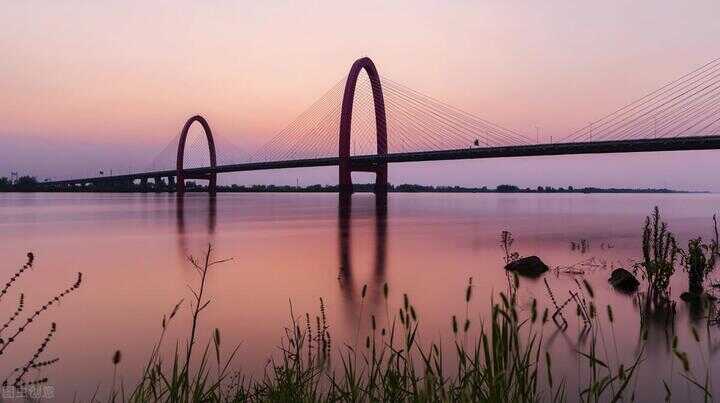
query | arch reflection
(198,207)
(350,287)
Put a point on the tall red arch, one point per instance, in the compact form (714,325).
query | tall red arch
(181,174)
(346,166)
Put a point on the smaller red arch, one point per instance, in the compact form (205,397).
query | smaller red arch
(181,175)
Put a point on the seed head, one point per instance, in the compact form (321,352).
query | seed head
(116,357)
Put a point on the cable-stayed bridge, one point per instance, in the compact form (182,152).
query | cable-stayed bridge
(366,122)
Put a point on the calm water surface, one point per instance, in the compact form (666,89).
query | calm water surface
(297,248)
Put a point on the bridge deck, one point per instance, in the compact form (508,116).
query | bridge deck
(597,147)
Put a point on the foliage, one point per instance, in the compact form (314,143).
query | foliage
(700,260)
(659,254)
(26,181)
(697,266)
(507,188)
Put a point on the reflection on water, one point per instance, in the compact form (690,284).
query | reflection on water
(348,287)
(210,210)
(298,248)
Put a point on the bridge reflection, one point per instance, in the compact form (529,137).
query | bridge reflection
(208,205)
(191,211)
(350,289)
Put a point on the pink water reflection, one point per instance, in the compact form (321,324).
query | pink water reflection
(300,247)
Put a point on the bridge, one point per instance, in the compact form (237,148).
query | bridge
(396,124)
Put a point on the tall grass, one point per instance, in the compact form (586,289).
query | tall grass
(179,380)
(29,375)
(659,254)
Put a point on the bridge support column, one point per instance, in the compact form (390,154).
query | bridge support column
(159,184)
(144,184)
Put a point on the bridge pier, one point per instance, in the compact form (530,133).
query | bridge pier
(159,184)
(144,184)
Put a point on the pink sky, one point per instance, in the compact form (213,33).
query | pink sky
(88,84)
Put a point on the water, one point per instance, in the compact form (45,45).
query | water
(296,248)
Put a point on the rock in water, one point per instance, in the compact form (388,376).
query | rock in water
(623,280)
(527,266)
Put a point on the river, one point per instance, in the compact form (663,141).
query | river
(297,248)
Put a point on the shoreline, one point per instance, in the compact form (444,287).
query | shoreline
(191,187)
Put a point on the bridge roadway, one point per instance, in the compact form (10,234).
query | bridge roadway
(531,150)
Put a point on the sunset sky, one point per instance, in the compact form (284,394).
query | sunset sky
(89,85)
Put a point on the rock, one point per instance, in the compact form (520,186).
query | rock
(527,266)
(623,280)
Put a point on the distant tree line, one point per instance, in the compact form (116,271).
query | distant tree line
(22,184)
(30,183)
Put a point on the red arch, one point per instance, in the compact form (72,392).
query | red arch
(346,167)
(181,175)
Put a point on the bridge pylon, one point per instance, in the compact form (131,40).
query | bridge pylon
(211,177)
(346,165)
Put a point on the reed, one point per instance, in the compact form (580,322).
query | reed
(659,254)
(506,242)
(697,266)
(16,327)
(181,380)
